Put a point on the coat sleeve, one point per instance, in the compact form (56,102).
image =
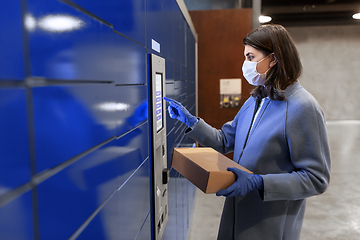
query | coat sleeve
(305,133)
(222,140)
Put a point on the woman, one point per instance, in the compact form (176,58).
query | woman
(279,134)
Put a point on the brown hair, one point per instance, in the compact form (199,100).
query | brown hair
(276,39)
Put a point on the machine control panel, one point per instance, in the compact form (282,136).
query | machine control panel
(160,177)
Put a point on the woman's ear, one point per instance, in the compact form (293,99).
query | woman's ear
(273,60)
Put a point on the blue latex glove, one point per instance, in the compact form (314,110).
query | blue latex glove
(245,183)
(179,112)
(140,114)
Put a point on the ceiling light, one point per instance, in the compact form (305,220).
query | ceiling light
(60,23)
(113,107)
(356,16)
(30,22)
(264,19)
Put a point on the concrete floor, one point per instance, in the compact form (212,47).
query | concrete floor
(334,215)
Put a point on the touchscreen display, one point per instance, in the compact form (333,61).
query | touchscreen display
(159,110)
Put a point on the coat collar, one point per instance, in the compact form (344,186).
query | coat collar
(292,89)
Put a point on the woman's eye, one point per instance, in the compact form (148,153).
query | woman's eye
(250,58)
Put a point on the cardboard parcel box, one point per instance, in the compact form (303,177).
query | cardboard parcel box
(205,168)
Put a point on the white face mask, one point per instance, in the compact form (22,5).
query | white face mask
(251,75)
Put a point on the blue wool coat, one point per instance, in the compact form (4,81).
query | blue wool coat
(288,147)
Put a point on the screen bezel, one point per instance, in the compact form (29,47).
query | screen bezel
(159,102)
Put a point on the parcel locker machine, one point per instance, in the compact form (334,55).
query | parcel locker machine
(160,172)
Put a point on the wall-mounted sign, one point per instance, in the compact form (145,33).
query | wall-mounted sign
(230,93)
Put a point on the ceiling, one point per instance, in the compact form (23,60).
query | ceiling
(311,12)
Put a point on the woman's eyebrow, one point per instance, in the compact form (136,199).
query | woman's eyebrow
(248,54)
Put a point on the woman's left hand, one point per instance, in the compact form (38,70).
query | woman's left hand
(245,183)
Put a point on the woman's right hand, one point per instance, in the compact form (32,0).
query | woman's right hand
(179,112)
